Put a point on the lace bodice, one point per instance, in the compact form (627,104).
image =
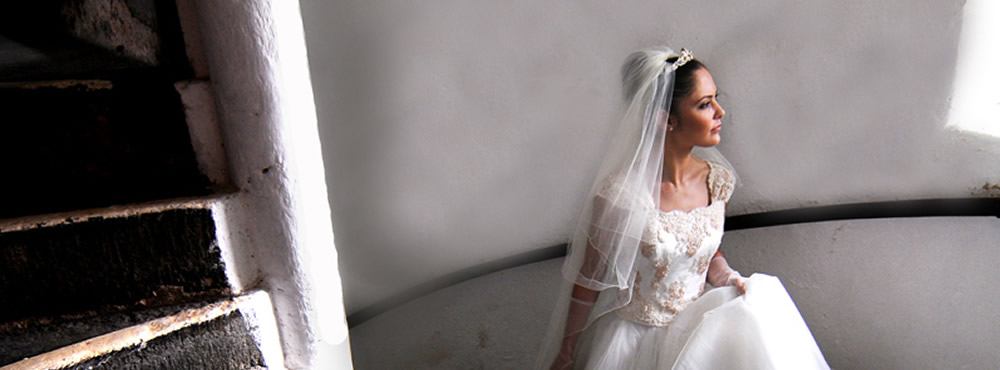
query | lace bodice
(674,255)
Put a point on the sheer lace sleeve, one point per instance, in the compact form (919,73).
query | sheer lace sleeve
(603,257)
(722,182)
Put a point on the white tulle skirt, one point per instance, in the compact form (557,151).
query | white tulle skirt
(761,329)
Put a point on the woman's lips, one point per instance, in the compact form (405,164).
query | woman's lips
(716,129)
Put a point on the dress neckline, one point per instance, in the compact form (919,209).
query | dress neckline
(711,198)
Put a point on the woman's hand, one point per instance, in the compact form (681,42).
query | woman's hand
(720,274)
(734,279)
(581,301)
(741,284)
(564,360)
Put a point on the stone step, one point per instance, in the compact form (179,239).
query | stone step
(77,144)
(235,333)
(115,259)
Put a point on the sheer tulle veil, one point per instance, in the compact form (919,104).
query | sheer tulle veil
(606,239)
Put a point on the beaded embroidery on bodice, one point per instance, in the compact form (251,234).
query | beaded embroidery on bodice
(674,255)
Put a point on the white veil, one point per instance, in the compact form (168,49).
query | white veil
(627,187)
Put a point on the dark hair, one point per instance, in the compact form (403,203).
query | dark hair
(683,81)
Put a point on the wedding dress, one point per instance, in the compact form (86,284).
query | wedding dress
(673,320)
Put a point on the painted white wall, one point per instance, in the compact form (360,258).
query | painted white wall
(458,132)
(877,294)
(276,229)
(890,293)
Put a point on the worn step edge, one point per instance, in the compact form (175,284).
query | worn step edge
(255,307)
(117,211)
(238,263)
(25,338)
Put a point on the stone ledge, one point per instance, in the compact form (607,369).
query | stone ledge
(139,261)
(26,338)
(238,333)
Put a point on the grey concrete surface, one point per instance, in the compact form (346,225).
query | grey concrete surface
(492,322)
(877,294)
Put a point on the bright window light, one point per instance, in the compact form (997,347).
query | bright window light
(975,105)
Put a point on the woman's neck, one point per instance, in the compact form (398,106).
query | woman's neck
(677,164)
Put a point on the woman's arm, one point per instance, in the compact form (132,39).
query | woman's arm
(594,274)
(581,302)
(720,274)
(582,298)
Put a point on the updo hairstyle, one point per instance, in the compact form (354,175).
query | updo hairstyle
(641,66)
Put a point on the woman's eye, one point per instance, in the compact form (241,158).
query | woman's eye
(704,105)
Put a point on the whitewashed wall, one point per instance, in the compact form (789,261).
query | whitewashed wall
(276,229)
(459,132)
(911,293)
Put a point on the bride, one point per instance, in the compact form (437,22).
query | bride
(635,295)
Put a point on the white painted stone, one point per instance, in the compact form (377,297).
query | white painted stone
(242,270)
(203,127)
(280,216)
(256,309)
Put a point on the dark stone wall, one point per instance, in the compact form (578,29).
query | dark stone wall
(68,144)
(62,39)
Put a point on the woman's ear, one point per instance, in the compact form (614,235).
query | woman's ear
(671,122)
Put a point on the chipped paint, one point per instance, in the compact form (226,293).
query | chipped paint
(988,190)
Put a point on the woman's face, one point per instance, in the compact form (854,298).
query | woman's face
(698,118)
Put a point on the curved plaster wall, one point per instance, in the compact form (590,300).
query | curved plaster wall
(876,294)
(456,133)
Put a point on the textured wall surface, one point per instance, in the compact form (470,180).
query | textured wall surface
(280,219)
(890,293)
(877,294)
(493,322)
(461,132)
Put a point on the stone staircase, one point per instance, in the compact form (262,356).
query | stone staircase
(113,199)
(140,286)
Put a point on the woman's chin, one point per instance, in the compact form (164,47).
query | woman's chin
(712,141)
